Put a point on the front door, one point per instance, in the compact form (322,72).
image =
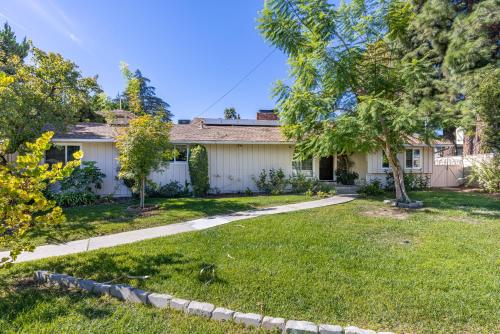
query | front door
(326,168)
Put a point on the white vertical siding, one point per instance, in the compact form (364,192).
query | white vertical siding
(105,155)
(232,167)
(375,170)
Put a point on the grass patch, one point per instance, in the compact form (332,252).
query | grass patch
(329,265)
(89,221)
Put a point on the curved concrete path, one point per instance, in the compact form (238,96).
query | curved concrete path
(111,240)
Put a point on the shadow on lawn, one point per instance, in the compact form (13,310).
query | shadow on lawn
(22,300)
(471,203)
(82,221)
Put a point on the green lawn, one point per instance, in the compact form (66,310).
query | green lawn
(89,221)
(435,270)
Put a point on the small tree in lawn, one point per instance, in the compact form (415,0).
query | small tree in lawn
(23,206)
(144,147)
(351,89)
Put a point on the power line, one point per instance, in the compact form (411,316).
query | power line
(238,82)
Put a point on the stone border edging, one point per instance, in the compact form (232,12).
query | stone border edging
(207,310)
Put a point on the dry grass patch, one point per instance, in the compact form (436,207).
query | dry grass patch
(387,213)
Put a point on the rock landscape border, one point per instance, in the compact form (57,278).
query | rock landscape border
(193,307)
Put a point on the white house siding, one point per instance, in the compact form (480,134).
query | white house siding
(376,171)
(175,171)
(105,154)
(233,166)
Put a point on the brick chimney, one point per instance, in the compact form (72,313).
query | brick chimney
(267,115)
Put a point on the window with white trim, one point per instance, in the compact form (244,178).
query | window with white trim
(303,167)
(182,153)
(60,153)
(413,158)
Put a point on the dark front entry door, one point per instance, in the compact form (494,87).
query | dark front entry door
(326,168)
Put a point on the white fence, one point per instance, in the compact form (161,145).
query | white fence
(452,171)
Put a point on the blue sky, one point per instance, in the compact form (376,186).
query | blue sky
(192,50)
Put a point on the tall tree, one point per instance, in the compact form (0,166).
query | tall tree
(348,54)
(230,113)
(460,40)
(46,91)
(143,148)
(140,97)
(10,47)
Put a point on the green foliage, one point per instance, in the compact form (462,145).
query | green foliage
(168,190)
(371,189)
(143,147)
(230,113)
(301,184)
(248,192)
(412,181)
(350,85)
(23,206)
(487,102)
(74,198)
(139,97)
(273,182)
(486,174)
(198,170)
(346,177)
(87,177)
(10,47)
(47,89)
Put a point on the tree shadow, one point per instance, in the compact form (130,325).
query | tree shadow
(469,203)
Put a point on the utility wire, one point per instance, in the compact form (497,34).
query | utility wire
(262,61)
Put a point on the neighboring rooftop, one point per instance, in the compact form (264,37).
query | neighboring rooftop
(89,131)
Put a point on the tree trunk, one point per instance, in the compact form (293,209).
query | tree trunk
(397,172)
(143,190)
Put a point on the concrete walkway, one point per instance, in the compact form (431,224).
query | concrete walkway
(111,240)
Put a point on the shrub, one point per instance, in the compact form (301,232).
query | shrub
(85,178)
(171,189)
(198,170)
(371,189)
(345,177)
(74,198)
(486,174)
(78,188)
(300,183)
(248,192)
(273,182)
(412,181)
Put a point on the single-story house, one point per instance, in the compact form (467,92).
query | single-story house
(237,150)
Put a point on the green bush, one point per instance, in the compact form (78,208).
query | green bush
(273,182)
(486,175)
(87,177)
(198,170)
(371,189)
(412,181)
(75,198)
(78,188)
(345,177)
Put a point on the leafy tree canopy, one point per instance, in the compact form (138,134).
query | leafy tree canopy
(46,91)
(144,147)
(23,206)
(139,97)
(10,47)
(349,54)
(230,113)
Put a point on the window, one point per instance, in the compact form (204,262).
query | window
(304,167)
(60,153)
(413,158)
(385,161)
(182,153)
